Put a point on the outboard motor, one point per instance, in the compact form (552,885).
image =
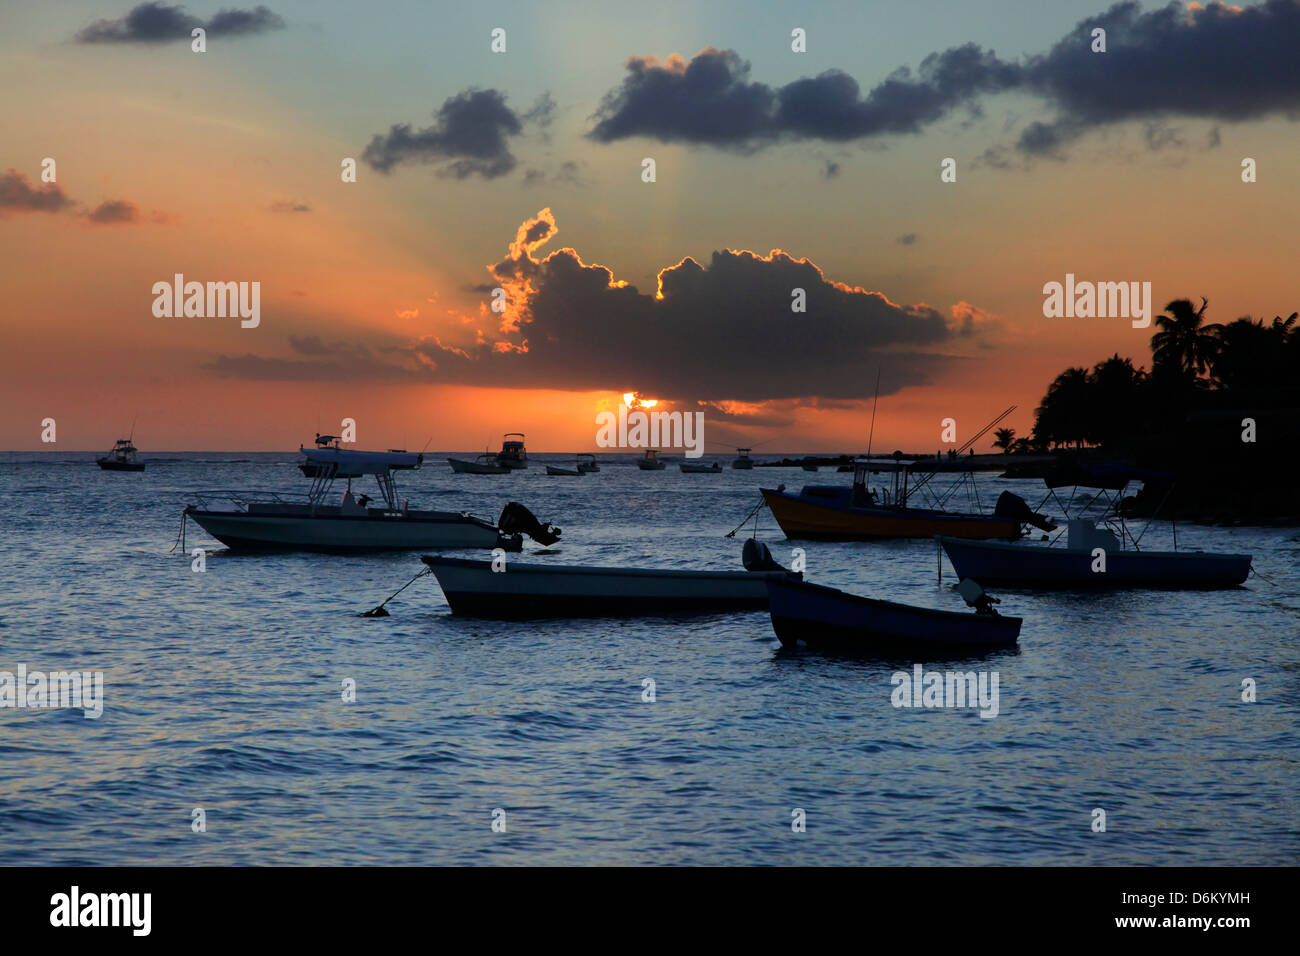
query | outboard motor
(1013,506)
(516,519)
(756,557)
(976,597)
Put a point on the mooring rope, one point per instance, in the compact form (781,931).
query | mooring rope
(762,503)
(180,534)
(378,610)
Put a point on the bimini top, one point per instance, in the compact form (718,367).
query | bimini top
(351,464)
(1110,477)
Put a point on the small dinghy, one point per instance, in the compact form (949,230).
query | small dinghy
(694,468)
(483,465)
(825,617)
(523,591)
(554,470)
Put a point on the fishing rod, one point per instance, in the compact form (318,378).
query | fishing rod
(926,479)
(872,434)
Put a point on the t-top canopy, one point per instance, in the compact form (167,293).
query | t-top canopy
(350,464)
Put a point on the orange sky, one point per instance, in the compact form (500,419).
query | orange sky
(206,150)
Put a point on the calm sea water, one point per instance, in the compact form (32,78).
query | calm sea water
(222,692)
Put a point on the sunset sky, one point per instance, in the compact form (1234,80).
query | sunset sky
(523,170)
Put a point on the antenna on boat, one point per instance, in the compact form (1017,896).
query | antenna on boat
(872,434)
(131,437)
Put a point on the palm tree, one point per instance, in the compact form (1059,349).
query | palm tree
(1184,342)
(1003,439)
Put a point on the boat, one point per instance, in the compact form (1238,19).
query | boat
(696,468)
(485,464)
(651,461)
(587,464)
(556,470)
(123,457)
(276,521)
(743,462)
(555,590)
(857,512)
(826,617)
(808,465)
(1087,541)
(512,454)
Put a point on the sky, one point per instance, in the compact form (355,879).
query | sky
(523,170)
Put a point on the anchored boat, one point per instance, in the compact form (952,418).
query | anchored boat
(857,512)
(553,590)
(485,464)
(306,522)
(651,461)
(696,468)
(1096,556)
(742,461)
(512,454)
(825,617)
(123,457)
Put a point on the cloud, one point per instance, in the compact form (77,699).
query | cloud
(711,101)
(160,22)
(114,212)
(717,331)
(471,129)
(18,194)
(1214,62)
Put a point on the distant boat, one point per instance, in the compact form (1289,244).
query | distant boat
(696,468)
(651,461)
(825,617)
(1071,567)
(555,470)
(123,457)
(486,464)
(856,512)
(808,465)
(512,454)
(743,462)
(555,590)
(587,463)
(271,522)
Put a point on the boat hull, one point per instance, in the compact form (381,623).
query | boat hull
(1027,566)
(800,517)
(462,467)
(651,465)
(241,531)
(535,590)
(109,465)
(552,470)
(825,617)
(700,469)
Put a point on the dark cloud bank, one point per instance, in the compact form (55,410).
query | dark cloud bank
(1214,62)
(714,331)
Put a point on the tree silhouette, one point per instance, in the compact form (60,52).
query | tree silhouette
(1184,343)
(1003,438)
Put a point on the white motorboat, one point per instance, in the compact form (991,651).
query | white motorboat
(307,522)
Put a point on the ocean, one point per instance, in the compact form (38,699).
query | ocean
(223,693)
